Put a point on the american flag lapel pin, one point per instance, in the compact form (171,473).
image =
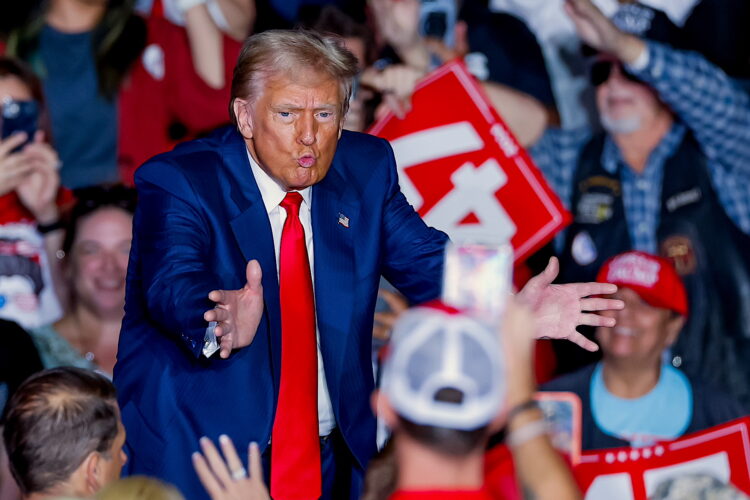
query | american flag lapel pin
(343,220)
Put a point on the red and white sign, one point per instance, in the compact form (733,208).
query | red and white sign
(634,473)
(464,171)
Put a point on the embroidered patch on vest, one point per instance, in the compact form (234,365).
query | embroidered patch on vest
(684,198)
(679,249)
(602,182)
(594,208)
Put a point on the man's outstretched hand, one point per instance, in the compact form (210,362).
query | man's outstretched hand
(237,312)
(559,309)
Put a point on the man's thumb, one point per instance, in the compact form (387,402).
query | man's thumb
(254,275)
(550,272)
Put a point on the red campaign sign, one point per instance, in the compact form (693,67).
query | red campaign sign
(464,171)
(634,473)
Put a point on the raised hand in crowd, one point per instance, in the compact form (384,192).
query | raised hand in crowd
(14,166)
(438,47)
(598,31)
(226,478)
(559,309)
(398,22)
(540,468)
(205,24)
(237,312)
(38,189)
(517,339)
(396,84)
(385,320)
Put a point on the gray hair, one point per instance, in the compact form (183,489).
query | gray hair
(286,52)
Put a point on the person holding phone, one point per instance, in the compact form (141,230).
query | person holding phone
(29,183)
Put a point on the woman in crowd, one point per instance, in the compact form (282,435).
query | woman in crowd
(134,103)
(28,190)
(83,51)
(96,248)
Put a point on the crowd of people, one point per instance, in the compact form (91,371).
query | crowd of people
(194,229)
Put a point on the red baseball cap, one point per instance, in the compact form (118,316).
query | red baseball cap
(653,278)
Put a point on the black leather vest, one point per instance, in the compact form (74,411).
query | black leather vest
(710,253)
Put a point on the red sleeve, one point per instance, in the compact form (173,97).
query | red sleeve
(193,103)
(163,91)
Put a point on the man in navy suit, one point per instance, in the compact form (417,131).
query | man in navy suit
(201,344)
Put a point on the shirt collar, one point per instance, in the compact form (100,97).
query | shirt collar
(611,156)
(270,191)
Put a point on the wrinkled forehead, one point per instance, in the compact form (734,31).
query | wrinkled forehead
(284,85)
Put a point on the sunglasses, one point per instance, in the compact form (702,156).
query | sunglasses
(601,71)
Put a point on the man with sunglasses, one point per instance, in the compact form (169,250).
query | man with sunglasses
(670,175)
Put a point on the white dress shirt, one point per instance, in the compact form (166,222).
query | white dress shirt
(272,196)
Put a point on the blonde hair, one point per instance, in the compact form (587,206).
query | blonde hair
(139,488)
(288,52)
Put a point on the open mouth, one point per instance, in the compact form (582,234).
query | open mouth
(624,331)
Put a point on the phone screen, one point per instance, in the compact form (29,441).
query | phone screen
(438,19)
(19,116)
(478,278)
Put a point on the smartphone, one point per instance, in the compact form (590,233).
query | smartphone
(19,116)
(478,278)
(437,19)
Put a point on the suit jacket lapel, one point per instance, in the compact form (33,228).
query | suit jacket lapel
(335,212)
(252,230)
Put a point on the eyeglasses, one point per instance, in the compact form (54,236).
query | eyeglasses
(601,71)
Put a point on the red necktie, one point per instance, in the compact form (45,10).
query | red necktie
(295,445)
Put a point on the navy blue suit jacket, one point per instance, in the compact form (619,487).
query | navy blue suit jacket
(200,218)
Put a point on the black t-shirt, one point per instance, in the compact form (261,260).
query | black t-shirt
(514,57)
(18,360)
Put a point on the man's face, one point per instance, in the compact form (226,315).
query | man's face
(294,127)
(625,106)
(642,332)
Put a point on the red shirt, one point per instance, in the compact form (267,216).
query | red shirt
(162,90)
(442,495)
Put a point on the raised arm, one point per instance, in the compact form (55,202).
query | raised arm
(541,469)
(700,95)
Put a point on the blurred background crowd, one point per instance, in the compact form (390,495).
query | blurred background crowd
(90,89)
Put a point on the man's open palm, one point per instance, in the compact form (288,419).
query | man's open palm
(237,312)
(559,309)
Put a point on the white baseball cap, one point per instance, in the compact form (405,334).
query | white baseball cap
(435,347)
